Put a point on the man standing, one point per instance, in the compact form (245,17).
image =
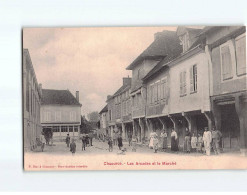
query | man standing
(42,140)
(67,140)
(84,142)
(216,135)
(91,138)
(207,138)
(129,137)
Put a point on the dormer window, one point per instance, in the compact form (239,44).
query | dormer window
(185,41)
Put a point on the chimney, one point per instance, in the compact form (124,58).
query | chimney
(77,96)
(126,81)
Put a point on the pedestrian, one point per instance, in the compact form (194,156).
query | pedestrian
(187,141)
(73,147)
(163,137)
(216,136)
(114,138)
(67,140)
(156,143)
(42,140)
(129,137)
(134,141)
(120,142)
(199,143)
(207,138)
(87,140)
(151,141)
(84,142)
(174,141)
(110,144)
(193,142)
(90,138)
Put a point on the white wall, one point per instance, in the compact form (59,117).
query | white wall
(195,101)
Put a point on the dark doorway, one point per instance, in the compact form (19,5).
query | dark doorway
(230,126)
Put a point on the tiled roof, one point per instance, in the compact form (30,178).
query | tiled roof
(174,49)
(162,45)
(105,109)
(62,97)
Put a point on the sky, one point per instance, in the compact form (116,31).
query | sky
(92,61)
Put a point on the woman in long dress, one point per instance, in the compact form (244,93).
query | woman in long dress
(163,136)
(187,141)
(151,142)
(156,143)
(193,142)
(174,141)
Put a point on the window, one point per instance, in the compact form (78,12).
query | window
(64,129)
(70,128)
(47,116)
(185,41)
(226,62)
(55,129)
(57,116)
(110,115)
(164,88)
(72,116)
(182,83)
(158,91)
(193,79)
(27,92)
(75,129)
(241,54)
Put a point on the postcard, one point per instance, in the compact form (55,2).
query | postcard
(134,98)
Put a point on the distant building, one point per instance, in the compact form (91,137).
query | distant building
(31,103)
(103,121)
(60,113)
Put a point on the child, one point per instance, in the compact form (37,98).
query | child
(199,143)
(73,147)
(134,141)
(193,142)
(110,143)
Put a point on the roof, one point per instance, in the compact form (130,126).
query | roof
(158,49)
(62,97)
(174,49)
(105,109)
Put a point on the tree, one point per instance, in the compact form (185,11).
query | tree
(93,117)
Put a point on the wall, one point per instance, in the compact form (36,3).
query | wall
(194,101)
(161,107)
(237,83)
(65,113)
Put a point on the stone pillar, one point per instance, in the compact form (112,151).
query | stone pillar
(123,131)
(142,129)
(241,111)
(209,118)
(175,123)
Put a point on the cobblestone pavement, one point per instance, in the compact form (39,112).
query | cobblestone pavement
(100,147)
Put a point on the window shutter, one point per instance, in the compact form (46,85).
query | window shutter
(165,88)
(184,79)
(191,80)
(241,55)
(226,62)
(181,83)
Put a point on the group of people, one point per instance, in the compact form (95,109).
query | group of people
(203,143)
(117,140)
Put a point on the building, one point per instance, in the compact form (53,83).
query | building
(119,110)
(226,50)
(60,113)
(164,46)
(31,103)
(103,121)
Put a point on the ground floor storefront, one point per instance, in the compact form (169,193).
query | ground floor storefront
(230,117)
(60,131)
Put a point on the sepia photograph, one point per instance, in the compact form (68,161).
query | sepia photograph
(134,98)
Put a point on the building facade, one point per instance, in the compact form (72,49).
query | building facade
(31,103)
(60,113)
(226,49)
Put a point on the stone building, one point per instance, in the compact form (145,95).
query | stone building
(60,113)
(31,103)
